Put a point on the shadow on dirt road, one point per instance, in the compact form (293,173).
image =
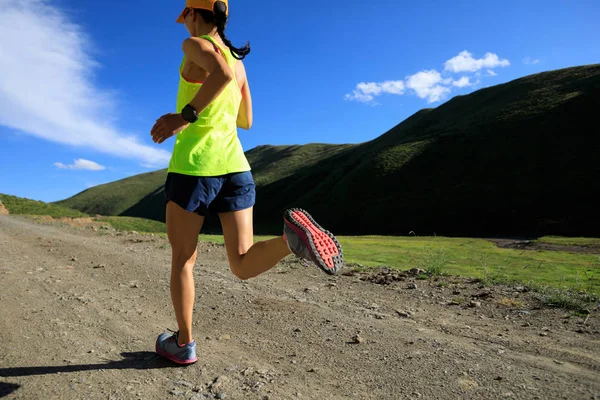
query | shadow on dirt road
(7,388)
(134,360)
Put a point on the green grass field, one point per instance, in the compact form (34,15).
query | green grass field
(473,258)
(568,241)
(479,258)
(452,256)
(467,257)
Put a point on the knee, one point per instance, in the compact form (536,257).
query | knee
(237,269)
(183,258)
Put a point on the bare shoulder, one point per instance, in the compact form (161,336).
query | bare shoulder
(194,45)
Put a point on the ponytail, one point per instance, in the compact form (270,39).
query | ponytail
(219,19)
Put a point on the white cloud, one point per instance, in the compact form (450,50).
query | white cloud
(464,62)
(431,85)
(367,91)
(530,61)
(427,85)
(81,164)
(46,86)
(462,82)
(393,87)
(358,96)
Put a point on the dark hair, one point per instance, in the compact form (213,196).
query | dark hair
(219,19)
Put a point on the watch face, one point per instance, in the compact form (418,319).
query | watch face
(189,114)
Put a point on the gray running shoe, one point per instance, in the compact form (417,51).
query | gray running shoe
(307,239)
(167,346)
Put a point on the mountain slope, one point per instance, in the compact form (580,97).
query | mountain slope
(512,159)
(117,197)
(143,195)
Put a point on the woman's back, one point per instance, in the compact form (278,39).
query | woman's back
(210,146)
(193,73)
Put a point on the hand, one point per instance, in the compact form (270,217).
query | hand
(166,126)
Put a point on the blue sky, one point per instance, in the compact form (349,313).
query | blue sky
(82,82)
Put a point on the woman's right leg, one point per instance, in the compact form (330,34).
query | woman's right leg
(302,236)
(246,258)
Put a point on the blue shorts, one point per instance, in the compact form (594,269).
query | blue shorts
(215,194)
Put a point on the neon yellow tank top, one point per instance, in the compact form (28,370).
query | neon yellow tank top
(210,146)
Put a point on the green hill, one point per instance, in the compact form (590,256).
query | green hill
(518,158)
(117,197)
(19,205)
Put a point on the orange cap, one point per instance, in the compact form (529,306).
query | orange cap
(203,4)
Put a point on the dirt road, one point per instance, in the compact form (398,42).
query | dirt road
(80,311)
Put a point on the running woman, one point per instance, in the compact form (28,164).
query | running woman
(209,172)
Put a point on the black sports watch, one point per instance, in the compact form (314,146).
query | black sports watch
(189,114)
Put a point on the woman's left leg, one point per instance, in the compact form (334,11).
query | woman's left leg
(182,229)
